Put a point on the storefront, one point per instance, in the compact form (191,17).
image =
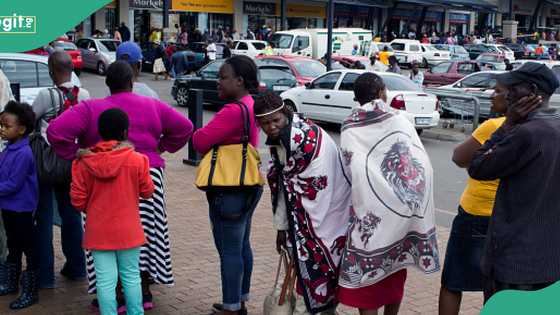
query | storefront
(305,15)
(404,20)
(148,15)
(258,14)
(459,23)
(352,16)
(204,15)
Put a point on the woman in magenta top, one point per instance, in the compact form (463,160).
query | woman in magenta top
(231,210)
(155,127)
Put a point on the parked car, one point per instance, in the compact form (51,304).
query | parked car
(303,68)
(448,72)
(276,79)
(505,51)
(476,50)
(431,55)
(519,51)
(273,78)
(31,72)
(251,48)
(407,51)
(532,55)
(97,53)
(480,84)
(491,61)
(456,52)
(330,98)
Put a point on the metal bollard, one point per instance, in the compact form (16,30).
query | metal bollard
(195,115)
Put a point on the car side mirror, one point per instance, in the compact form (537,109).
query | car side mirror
(308,85)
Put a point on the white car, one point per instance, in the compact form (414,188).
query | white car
(330,98)
(251,48)
(31,72)
(432,55)
(504,50)
(407,51)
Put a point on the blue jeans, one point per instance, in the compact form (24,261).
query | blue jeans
(231,213)
(71,234)
(109,267)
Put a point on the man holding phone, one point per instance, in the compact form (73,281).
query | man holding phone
(522,249)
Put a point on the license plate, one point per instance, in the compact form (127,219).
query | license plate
(423,121)
(280,88)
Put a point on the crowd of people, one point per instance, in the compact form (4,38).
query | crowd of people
(353,218)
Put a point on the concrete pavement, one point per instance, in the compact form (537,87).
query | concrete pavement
(196,264)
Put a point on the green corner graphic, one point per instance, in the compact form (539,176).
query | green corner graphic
(28,24)
(541,302)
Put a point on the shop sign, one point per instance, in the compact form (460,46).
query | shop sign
(459,18)
(304,10)
(210,6)
(146,4)
(259,8)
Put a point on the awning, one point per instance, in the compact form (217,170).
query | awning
(474,5)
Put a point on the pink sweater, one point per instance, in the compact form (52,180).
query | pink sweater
(154,126)
(226,127)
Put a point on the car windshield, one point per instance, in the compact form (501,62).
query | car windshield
(309,68)
(259,46)
(276,75)
(382,46)
(108,45)
(441,47)
(441,68)
(460,50)
(399,83)
(282,41)
(65,45)
(492,49)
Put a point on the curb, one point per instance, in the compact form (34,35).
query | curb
(439,134)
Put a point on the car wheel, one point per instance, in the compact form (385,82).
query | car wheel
(182,96)
(419,131)
(424,63)
(101,68)
(291,106)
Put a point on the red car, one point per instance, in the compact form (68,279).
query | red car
(449,72)
(69,47)
(303,68)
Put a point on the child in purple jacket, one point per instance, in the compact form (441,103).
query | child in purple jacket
(18,201)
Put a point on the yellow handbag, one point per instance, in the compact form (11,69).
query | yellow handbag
(231,165)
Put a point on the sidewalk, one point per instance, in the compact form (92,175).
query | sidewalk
(196,264)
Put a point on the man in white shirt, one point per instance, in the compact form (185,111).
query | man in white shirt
(49,104)
(211,51)
(416,75)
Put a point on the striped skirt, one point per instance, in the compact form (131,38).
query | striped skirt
(155,255)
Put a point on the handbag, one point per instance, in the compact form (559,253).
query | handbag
(231,165)
(159,66)
(51,169)
(281,301)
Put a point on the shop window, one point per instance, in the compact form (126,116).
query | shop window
(327,82)
(300,43)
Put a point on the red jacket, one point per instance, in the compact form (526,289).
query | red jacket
(107,181)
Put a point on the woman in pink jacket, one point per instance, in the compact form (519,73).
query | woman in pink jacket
(155,127)
(231,210)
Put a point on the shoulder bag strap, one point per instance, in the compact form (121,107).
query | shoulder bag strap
(244,140)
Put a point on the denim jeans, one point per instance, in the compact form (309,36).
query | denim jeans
(109,267)
(230,214)
(71,234)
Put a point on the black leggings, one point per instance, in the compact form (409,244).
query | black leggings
(20,235)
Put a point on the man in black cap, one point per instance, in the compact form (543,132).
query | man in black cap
(523,243)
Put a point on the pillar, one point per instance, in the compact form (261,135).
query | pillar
(100,19)
(472,22)
(510,29)
(124,16)
(238,17)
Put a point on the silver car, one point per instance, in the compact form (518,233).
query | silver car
(98,53)
(31,72)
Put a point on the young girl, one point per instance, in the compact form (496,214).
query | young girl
(18,201)
(113,230)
